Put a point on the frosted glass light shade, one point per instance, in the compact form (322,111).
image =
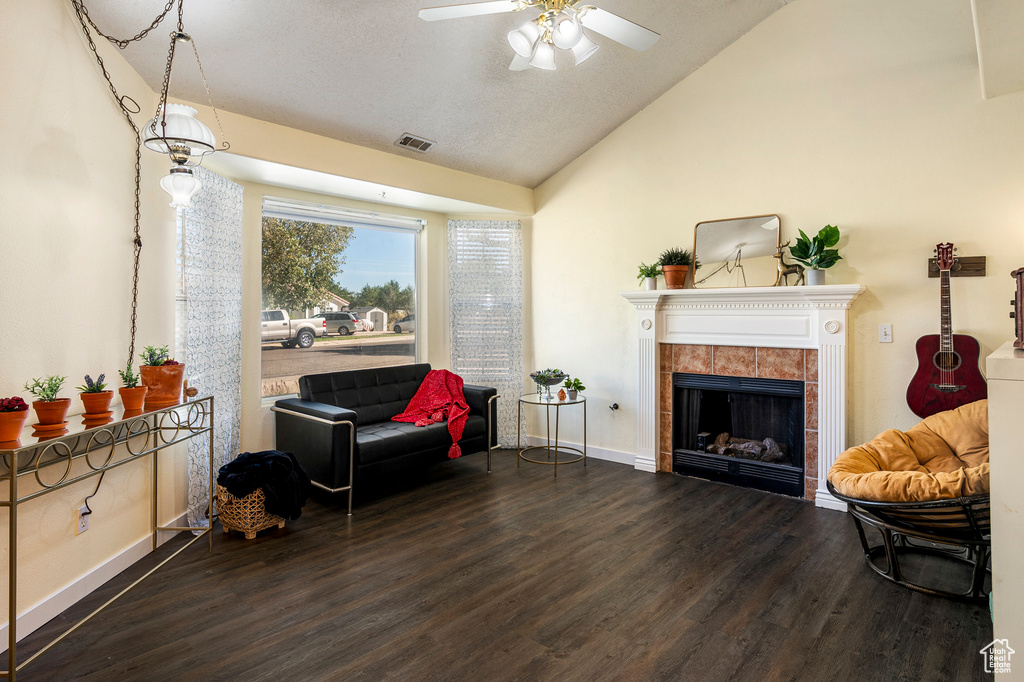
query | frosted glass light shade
(524,38)
(183,130)
(584,48)
(544,57)
(567,33)
(181,185)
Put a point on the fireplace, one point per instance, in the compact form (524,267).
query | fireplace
(749,332)
(739,430)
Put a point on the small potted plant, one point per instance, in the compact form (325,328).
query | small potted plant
(162,375)
(50,410)
(546,378)
(675,263)
(649,275)
(132,395)
(13,412)
(817,253)
(573,387)
(95,397)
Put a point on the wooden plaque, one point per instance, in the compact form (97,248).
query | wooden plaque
(1018,307)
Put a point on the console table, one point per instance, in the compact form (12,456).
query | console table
(43,463)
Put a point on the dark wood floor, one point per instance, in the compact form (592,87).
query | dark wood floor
(603,574)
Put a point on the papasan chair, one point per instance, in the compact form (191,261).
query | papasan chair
(926,491)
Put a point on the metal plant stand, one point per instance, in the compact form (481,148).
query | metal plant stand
(551,448)
(48,463)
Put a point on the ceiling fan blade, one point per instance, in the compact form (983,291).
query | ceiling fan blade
(618,29)
(473,9)
(519,63)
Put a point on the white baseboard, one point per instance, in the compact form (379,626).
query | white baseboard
(42,613)
(616,456)
(824,499)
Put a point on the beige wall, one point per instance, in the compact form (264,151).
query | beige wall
(861,113)
(66,189)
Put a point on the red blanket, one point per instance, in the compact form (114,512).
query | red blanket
(438,398)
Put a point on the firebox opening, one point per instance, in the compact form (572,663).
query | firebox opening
(739,430)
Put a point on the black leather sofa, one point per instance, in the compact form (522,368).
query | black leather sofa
(340,427)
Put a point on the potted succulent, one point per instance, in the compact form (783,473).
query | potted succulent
(649,275)
(817,253)
(50,410)
(132,395)
(675,263)
(162,375)
(573,387)
(13,412)
(95,397)
(546,378)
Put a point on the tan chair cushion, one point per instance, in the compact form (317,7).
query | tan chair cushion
(942,457)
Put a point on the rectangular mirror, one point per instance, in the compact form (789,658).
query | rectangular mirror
(738,252)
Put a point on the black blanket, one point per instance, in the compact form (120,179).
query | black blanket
(284,481)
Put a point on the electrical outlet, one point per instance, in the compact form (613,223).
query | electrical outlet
(885,333)
(83,519)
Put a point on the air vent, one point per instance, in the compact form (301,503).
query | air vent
(415,143)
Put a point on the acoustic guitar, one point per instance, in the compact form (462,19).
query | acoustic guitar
(947,363)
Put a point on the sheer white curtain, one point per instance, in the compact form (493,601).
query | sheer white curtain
(485,285)
(212,250)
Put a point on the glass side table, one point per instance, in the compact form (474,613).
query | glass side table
(551,448)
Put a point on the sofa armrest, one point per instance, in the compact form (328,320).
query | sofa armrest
(322,438)
(318,410)
(482,400)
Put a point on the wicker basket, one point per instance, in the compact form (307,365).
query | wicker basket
(246,514)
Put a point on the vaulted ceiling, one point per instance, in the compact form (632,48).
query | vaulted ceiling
(366,72)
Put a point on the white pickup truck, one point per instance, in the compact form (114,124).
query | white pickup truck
(279,328)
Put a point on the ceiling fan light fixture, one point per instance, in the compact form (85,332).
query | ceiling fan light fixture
(544,57)
(524,39)
(584,48)
(567,32)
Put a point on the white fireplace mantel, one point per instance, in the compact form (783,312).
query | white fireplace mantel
(773,317)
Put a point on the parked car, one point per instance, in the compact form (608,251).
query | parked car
(406,324)
(279,327)
(345,322)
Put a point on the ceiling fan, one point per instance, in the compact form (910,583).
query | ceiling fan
(560,24)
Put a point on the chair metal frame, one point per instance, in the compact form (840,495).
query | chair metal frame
(957,529)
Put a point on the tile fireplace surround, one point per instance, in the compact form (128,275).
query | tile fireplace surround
(775,332)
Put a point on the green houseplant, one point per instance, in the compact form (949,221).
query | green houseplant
(132,395)
(50,410)
(573,387)
(816,253)
(649,275)
(95,397)
(675,264)
(162,375)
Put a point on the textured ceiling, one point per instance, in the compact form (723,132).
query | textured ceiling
(366,72)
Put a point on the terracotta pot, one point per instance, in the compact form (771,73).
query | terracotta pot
(51,412)
(97,404)
(675,275)
(132,398)
(164,384)
(11,424)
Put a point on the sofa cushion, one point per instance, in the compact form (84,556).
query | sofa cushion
(375,395)
(384,440)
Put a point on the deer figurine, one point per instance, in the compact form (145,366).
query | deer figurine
(787,269)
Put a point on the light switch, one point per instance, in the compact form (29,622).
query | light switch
(885,333)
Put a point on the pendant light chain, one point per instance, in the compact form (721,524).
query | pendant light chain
(122,101)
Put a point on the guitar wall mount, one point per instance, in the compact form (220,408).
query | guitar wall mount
(963,266)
